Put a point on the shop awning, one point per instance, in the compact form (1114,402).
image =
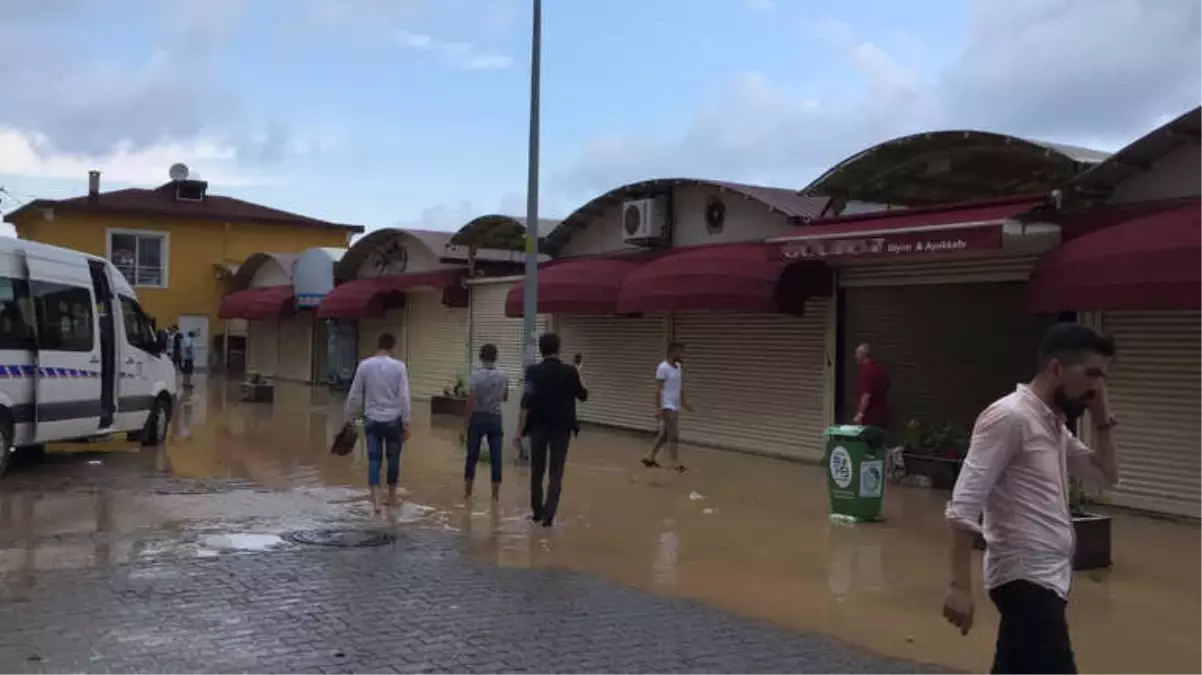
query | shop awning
(948,229)
(257,303)
(371,297)
(727,277)
(588,286)
(1149,262)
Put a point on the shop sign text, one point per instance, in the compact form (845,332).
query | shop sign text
(902,244)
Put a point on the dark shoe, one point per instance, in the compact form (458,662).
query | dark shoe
(546,523)
(650,463)
(536,517)
(680,468)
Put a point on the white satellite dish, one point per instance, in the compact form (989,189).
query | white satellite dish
(178,171)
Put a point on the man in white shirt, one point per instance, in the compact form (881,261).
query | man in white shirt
(1016,475)
(380,391)
(669,399)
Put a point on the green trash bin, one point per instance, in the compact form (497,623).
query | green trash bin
(855,471)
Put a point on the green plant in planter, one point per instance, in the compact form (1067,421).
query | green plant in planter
(255,378)
(457,390)
(1078,499)
(942,441)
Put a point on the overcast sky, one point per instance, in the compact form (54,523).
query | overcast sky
(414,112)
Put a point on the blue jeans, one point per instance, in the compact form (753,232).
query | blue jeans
(383,440)
(484,425)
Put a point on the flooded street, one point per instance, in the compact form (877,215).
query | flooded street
(743,534)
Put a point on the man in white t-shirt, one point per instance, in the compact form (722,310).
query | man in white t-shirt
(669,399)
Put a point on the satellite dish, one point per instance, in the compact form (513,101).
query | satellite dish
(178,171)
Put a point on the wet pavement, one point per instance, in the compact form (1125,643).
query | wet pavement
(200,555)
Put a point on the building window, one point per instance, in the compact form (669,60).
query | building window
(66,322)
(16,315)
(141,257)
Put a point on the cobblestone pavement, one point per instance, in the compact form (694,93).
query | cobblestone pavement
(418,605)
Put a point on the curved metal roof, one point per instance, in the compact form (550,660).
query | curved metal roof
(499,232)
(789,203)
(437,243)
(940,167)
(1141,154)
(247,270)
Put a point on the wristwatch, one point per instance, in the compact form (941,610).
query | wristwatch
(1110,423)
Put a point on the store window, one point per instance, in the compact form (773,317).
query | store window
(65,318)
(16,315)
(141,257)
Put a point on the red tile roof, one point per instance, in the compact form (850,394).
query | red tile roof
(161,202)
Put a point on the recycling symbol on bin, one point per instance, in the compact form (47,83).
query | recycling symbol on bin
(840,467)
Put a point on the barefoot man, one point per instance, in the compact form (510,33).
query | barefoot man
(380,391)
(1016,474)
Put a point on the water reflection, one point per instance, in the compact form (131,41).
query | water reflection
(747,534)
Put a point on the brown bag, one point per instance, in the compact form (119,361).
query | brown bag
(344,441)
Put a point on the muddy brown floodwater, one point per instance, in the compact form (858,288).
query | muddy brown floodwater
(745,533)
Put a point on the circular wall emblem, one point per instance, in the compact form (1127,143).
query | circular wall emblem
(715,215)
(840,467)
(390,258)
(632,219)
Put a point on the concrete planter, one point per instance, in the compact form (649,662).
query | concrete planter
(447,405)
(258,392)
(941,472)
(1092,532)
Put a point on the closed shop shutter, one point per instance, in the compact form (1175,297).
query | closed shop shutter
(370,329)
(296,347)
(949,350)
(620,356)
(490,325)
(1154,390)
(437,343)
(894,272)
(756,382)
(263,344)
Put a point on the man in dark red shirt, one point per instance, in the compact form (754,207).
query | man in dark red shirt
(872,391)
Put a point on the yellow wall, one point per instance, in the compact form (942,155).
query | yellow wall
(195,247)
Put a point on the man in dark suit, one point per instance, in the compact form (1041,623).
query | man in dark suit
(549,416)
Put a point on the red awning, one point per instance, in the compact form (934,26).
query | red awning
(975,226)
(257,303)
(728,277)
(588,286)
(1147,262)
(371,297)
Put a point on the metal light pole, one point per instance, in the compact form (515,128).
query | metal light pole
(530,300)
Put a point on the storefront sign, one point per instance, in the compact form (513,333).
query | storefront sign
(899,244)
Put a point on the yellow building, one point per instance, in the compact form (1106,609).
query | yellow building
(176,244)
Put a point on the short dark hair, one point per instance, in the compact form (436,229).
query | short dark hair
(1070,343)
(548,344)
(674,345)
(488,353)
(386,342)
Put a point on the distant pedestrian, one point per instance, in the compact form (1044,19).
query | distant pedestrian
(380,393)
(549,415)
(1016,475)
(487,389)
(188,363)
(177,347)
(872,390)
(669,399)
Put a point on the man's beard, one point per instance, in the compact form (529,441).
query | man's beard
(1072,408)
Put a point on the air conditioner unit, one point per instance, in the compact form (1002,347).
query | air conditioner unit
(645,221)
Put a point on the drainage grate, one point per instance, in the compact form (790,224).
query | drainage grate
(343,538)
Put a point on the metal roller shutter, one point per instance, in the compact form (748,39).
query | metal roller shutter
(370,329)
(263,347)
(1154,389)
(490,325)
(949,350)
(296,347)
(756,382)
(893,272)
(620,355)
(437,343)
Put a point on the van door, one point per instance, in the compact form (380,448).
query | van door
(67,391)
(106,320)
(137,340)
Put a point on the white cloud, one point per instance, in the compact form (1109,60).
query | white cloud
(30,155)
(458,54)
(765,6)
(1089,72)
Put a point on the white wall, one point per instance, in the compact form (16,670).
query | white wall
(271,273)
(417,258)
(1174,175)
(746,220)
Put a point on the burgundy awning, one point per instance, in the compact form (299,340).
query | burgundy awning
(587,286)
(954,228)
(371,297)
(727,277)
(1148,262)
(257,303)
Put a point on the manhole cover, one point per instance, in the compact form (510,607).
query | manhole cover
(347,538)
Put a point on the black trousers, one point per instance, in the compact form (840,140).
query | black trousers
(1033,634)
(548,450)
